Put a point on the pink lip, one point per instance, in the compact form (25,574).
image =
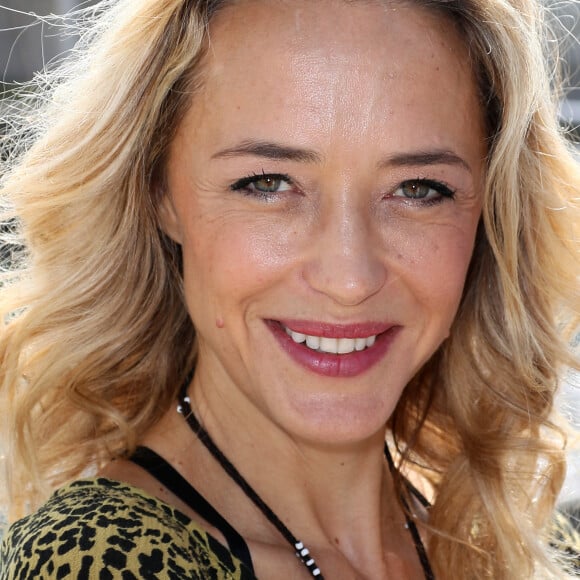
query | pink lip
(335,365)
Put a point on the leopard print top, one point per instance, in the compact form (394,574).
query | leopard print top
(103,529)
(107,530)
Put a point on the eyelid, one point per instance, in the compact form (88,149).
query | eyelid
(245,181)
(443,189)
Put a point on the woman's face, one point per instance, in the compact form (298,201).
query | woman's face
(326,188)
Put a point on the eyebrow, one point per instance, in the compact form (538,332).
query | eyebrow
(436,157)
(269,150)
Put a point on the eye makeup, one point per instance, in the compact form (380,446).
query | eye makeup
(263,184)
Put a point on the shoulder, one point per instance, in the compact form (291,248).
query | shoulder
(103,528)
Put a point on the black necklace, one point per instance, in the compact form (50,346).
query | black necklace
(302,552)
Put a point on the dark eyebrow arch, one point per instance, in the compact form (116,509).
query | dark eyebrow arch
(269,150)
(437,157)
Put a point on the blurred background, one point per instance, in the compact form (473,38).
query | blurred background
(29,41)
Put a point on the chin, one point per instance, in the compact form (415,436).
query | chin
(331,418)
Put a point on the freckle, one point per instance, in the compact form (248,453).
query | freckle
(219,322)
(336,541)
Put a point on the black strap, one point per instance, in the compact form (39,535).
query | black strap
(419,546)
(163,472)
(418,495)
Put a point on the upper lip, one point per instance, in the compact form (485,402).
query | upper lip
(331,330)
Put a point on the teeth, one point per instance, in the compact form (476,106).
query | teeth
(332,345)
(296,336)
(346,345)
(328,345)
(360,343)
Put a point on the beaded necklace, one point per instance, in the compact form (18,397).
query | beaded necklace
(301,551)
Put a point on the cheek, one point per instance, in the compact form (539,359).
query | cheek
(434,266)
(228,260)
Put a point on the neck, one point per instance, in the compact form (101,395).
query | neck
(330,495)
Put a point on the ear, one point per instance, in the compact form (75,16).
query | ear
(168,219)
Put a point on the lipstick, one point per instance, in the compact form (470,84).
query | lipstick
(379,336)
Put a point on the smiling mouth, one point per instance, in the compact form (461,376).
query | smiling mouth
(331,345)
(335,350)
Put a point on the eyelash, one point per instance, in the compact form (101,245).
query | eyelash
(444,191)
(245,185)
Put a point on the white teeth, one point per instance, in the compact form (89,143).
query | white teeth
(328,345)
(346,345)
(360,343)
(332,345)
(296,336)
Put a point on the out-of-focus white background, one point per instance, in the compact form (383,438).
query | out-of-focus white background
(569,402)
(28,42)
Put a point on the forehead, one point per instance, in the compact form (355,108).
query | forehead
(335,67)
(289,26)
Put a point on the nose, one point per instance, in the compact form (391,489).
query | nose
(344,259)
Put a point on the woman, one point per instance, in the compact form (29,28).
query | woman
(261,237)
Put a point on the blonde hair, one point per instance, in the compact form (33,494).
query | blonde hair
(97,340)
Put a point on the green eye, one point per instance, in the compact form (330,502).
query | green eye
(416,190)
(263,185)
(268,184)
(423,189)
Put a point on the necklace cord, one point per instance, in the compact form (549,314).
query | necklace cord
(234,474)
(301,551)
(410,524)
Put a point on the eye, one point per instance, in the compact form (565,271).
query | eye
(263,185)
(423,189)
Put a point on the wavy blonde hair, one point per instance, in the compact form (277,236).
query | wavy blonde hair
(96,338)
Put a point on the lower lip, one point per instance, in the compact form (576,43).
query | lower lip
(335,365)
